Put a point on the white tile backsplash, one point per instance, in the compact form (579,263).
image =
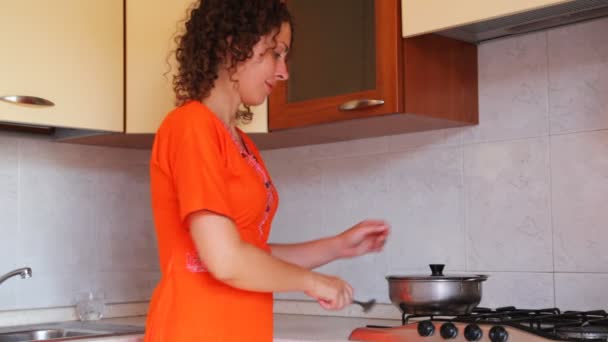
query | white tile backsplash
(519,289)
(57,205)
(436,138)
(120,287)
(74,213)
(59,288)
(424,203)
(507,206)
(343,149)
(300,201)
(352,189)
(520,197)
(9,218)
(578,77)
(581,291)
(513,89)
(580,201)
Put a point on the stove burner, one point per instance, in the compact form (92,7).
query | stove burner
(597,333)
(550,323)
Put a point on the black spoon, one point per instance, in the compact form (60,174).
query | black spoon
(366,305)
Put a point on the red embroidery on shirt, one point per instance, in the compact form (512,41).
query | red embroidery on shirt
(268,186)
(194,264)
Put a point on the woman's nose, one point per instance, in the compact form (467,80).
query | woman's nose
(281,72)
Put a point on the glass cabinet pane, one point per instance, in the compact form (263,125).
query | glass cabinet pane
(334,48)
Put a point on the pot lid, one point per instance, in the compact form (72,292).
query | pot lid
(437,275)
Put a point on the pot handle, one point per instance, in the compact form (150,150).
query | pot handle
(437,270)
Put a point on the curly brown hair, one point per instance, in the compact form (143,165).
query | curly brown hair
(217,30)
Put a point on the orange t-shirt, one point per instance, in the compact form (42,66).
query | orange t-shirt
(196,165)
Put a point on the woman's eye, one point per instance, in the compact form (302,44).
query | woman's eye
(279,54)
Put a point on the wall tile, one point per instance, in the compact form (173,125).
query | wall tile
(9,219)
(425,207)
(351,148)
(57,204)
(121,287)
(52,289)
(436,138)
(507,206)
(522,290)
(353,189)
(348,191)
(84,208)
(579,176)
(299,217)
(8,292)
(581,291)
(512,89)
(125,228)
(578,76)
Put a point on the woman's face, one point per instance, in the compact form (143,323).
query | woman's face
(258,75)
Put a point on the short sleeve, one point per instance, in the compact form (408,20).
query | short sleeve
(199,173)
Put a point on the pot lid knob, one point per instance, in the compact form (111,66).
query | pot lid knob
(437,270)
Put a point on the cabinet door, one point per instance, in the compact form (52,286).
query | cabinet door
(152,26)
(424,16)
(69,52)
(345,52)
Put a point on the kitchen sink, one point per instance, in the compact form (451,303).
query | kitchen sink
(41,335)
(66,331)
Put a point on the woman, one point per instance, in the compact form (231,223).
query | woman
(212,197)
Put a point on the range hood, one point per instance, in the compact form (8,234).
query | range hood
(534,20)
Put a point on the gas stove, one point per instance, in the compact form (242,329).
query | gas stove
(495,325)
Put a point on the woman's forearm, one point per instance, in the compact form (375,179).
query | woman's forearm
(240,264)
(255,270)
(365,237)
(311,254)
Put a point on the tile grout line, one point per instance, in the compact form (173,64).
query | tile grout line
(550,168)
(464,208)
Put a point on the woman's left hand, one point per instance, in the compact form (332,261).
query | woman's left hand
(364,237)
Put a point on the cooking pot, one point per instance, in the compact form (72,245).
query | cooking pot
(437,294)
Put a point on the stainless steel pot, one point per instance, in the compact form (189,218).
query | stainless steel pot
(436,294)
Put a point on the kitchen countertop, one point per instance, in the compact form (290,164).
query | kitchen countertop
(292,328)
(287,328)
(295,321)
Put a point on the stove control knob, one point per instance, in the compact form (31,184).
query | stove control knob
(448,330)
(426,328)
(472,332)
(498,334)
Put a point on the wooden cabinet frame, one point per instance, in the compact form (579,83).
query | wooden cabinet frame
(283,114)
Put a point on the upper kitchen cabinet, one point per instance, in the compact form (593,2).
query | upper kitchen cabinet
(152,26)
(65,52)
(344,63)
(353,76)
(424,16)
(150,31)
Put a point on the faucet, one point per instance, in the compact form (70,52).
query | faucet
(24,272)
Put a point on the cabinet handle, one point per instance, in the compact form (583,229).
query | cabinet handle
(31,100)
(358,104)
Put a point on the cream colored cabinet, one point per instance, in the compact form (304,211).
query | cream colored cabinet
(69,52)
(151,29)
(424,16)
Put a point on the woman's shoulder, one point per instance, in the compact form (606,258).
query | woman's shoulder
(192,117)
(191,114)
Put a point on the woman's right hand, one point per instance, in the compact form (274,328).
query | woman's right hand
(331,292)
